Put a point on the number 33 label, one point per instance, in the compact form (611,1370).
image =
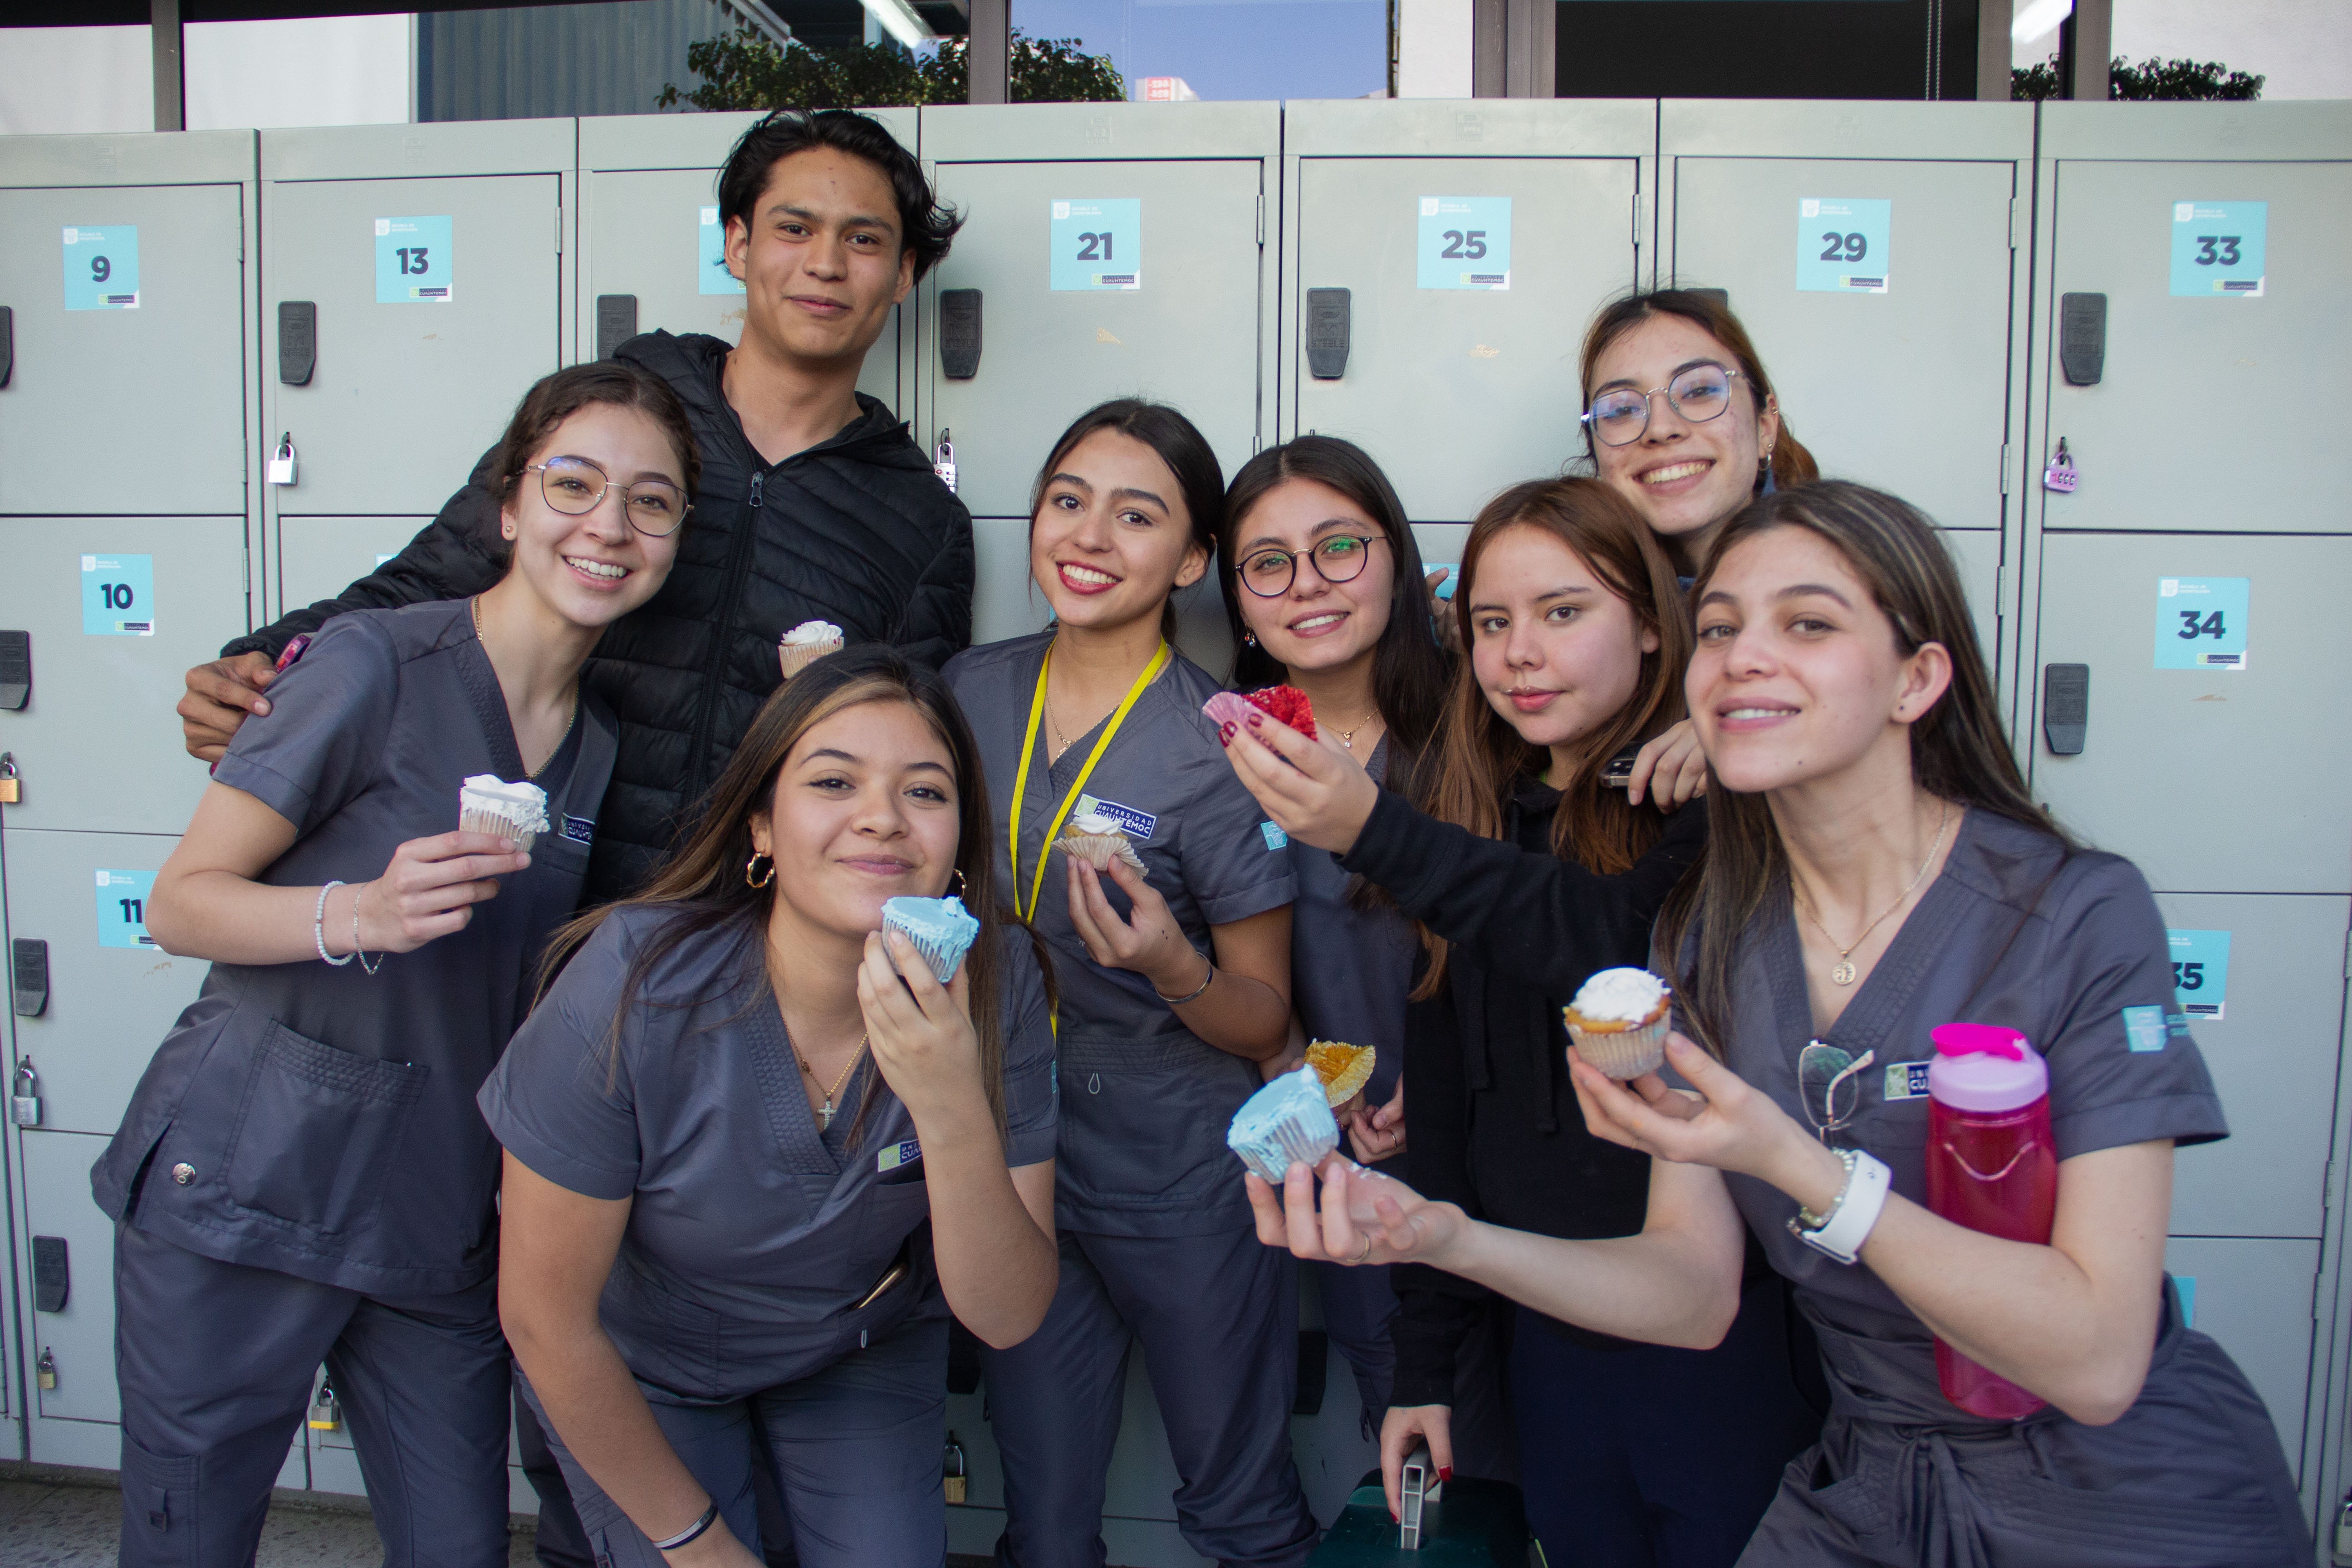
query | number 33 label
(1465,242)
(1841,243)
(412,262)
(2217,248)
(2200,623)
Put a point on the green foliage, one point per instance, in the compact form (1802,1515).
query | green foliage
(2150,81)
(747,70)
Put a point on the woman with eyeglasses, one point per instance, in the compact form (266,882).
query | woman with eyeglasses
(1528,872)
(1875,868)
(1680,419)
(301,1175)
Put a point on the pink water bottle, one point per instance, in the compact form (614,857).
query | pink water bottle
(1991,1167)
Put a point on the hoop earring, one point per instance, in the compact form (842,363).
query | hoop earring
(958,882)
(759,870)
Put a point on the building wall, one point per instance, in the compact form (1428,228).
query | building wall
(328,70)
(521,63)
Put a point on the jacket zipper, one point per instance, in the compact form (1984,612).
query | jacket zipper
(715,679)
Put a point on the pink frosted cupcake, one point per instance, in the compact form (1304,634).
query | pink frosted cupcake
(1618,1021)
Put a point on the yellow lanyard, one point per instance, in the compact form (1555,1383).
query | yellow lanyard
(1077,785)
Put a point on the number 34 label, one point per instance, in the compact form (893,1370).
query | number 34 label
(1465,242)
(412,262)
(2200,623)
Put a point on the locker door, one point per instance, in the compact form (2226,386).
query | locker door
(1976,552)
(318,557)
(1458,392)
(2256,1297)
(98,741)
(2148,438)
(1905,390)
(2213,780)
(111,998)
(79,1340)
(136,409)
(406,396)
(2272,1051)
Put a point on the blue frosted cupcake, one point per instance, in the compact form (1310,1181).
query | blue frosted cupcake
(1289,1119)
(941,929)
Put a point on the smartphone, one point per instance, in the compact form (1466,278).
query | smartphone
(1619,771)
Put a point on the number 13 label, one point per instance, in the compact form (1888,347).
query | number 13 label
(1842,244)
(1465,242)
(2217,249)
(1097,243)
(412,262)
(2200,623)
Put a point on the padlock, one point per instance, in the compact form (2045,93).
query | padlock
(45,1372)
(958,1472)
(281,461)
(943,462)
(25,1104)
(2059,476)
(326,1410)
(2343,1530)
(12,782)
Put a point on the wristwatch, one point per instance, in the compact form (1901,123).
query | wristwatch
(1840,1233)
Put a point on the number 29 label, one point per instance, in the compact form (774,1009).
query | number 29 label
(2201,622)
(1464,242)
(1842,244)
(413,261)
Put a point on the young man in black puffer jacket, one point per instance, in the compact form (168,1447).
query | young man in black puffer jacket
(815,503)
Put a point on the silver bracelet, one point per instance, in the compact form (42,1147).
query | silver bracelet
(357,951)
(318,927)
(1193,995)
(692,1533)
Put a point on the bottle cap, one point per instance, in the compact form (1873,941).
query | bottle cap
(1985,1066)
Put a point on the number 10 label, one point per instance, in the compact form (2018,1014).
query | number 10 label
(118,595)
(412,262)
(1097,243)
(2200,623)
(1465,242)
(1842,244)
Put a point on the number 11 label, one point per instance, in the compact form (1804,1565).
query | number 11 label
(118,595)
(412,262)
(1841,243)
(123,909)
(1097,243)
(2200,623)
(1465,242)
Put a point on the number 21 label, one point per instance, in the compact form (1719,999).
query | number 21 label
(1097,243)
(2201,622)
(413,261)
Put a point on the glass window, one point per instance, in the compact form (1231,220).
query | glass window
(1225,48)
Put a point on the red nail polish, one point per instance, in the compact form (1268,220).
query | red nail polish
(1444,1472)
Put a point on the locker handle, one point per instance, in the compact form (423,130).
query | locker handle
(1330,317)
(959,333)
(298,341)
(616,323)
(7,343)
(2065,707)
(29,974)
(16,669)
(52,1280)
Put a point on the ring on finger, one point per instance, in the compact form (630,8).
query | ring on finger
(1366,1253)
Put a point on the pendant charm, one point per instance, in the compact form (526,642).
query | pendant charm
(1842,974)
(824,1112)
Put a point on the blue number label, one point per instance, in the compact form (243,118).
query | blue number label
(1842,244)
(2217,249)
(102,266)
(412,262)
(1096,243)
(2201,970)
(118,595)
(1464,242)
(712,273)
(123,909)
(2200,623)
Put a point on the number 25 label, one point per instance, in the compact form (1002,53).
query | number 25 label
(1464,242)
(2201,622)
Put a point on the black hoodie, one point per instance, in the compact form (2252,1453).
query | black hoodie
(856,530)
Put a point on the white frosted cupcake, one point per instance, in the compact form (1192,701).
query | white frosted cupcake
(487,804)
(1289,1119)
(1098,840)
(1618,1021)
(807,643)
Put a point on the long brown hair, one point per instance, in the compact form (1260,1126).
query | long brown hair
(1708,310)
(1177,442)
(704,886)
(1959,750)
(1409,673)
(1468,775)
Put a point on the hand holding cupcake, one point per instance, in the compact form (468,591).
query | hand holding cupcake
(1618,1021)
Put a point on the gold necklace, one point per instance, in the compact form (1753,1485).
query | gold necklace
(824,1112)
(1348,737)
(1844,971)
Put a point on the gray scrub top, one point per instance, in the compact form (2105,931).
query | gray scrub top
(750,1238)
(1146,1102)
(1351,968)
(325,1117)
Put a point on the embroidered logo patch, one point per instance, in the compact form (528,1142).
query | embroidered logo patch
(898,1154)
(1907,1081)
(580,829)
(2144,1028)
(1275,838)
(1136,825)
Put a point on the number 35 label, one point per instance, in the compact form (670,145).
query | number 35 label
(2201,970)
(412,262)
(1842,244)
(1465,242)
(1098,244)
(2217,249)
(2200,623)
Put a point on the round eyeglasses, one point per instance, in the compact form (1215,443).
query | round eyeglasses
(1338,558)
(1829,1081)
(1697,394)
(573,485)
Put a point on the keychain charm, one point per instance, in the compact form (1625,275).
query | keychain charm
(943,462)
(2059,476)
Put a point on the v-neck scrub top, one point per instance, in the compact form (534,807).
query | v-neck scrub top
(1145,1102)
(750,1238)
(323,1117)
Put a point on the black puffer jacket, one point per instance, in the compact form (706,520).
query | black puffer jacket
(856,530)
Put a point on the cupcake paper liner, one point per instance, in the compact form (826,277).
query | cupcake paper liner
(1288,1120)
(942,949)
(1099,849)
(944,954)
(797,657)
(485,819)
(1350,1068)
(1624,1053)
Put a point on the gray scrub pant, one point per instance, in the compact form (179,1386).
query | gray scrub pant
(855,1448)
(215,1360)
(1218,1317)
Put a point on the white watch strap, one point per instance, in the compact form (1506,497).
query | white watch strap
(1849,1225)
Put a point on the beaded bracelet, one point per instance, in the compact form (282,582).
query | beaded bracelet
(318,927)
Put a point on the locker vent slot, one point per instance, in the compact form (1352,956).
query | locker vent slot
(28,969)
(2065,707)
(1329,312)
(616,323)
(959,333)
(7,343)
(16,669)
(52,1280)
(298,341)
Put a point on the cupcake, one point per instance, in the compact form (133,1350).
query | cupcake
(940,929)
(1228,710)
(1098,840)
(1344,1069)
(807,643)
(1618,1021)
(1289,1119)
(487,804)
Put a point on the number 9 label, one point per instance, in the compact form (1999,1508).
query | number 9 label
(102,266)
(1842,245)
(413,261)
(2201,622)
